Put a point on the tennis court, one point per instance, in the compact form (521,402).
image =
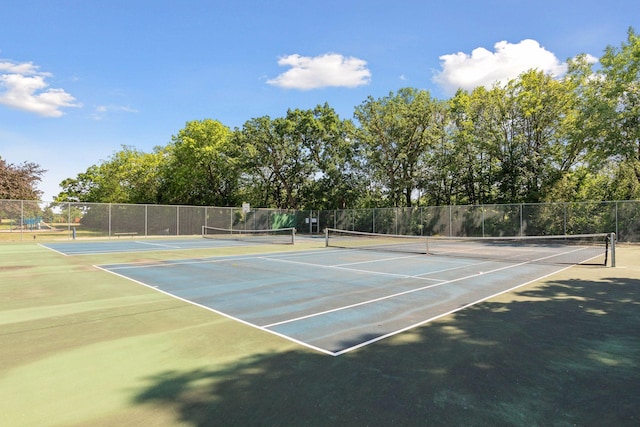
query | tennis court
(335,300)
(89,347)
(98,247)
(219,238)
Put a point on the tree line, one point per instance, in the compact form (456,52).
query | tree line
(533,139)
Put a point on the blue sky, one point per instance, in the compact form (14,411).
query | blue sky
(79,78)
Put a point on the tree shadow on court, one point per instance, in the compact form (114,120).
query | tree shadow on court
(567,353)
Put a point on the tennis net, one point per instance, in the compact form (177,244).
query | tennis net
(274,236)
(596,249)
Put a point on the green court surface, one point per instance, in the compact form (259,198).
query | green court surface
(81,346)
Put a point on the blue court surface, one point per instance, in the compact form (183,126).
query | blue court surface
(122,245)
(333,300)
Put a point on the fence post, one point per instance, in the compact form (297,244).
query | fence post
(396,220)
(373,219)
(521,225)
(616,217)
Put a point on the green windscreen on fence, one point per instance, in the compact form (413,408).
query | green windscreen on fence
(283,220)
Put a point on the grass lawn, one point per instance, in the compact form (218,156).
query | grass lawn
(83,347)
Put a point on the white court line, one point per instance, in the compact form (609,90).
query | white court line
(170,263)
(458,267)
(397,294)
(100,252)
(158,244)
(319,349)
(54,250)
(417,276)
(213,260)
(237,319)
(188,244)
(355,270)
(423,322)
(380,260)
(401,293)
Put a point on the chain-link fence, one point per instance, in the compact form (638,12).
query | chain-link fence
(621,217)
(24,219)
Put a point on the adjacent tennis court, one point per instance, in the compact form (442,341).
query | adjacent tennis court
(335,300)
(211,238)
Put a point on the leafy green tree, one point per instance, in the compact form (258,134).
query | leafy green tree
(605,130)
(618,105)
(514,140)
(473,117)
(395,132)
(144,175)
(546,108)
(438,174)
(337,181)
(83,188)
(128,176)
(277,167)
(200,166)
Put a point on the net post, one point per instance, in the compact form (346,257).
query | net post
(326,237)
(293,236)
(612,245)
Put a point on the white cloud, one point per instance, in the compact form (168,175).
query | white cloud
(102,111)
(485,68)
(329,70)
(23,87)
(24,68)
(591,59)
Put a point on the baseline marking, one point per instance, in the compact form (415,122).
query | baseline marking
(155,288)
